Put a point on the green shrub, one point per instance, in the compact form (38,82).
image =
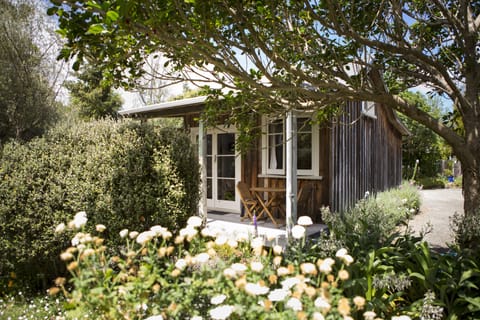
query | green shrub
(372,222)
(129,174)
(432,182)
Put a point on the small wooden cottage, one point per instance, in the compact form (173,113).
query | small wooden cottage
(337,163)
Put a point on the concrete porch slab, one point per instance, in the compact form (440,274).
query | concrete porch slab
(231,225)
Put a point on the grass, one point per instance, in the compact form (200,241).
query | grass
(18,306)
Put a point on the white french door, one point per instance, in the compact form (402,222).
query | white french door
(223,170)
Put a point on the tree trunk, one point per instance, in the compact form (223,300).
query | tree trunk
(468,228)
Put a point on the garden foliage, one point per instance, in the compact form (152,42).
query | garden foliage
(124,173)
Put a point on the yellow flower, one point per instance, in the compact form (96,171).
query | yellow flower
(267,304)
(53,291)
(60,281)
(170,250)
(272,279)
(359,302)
(301,315)
(162,252)
(72,266)
(277,261)
(344,307)
(343,275)
(241,283)
(175,273)
(310,291)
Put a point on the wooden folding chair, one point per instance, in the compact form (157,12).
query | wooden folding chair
(304,199)
(248,201)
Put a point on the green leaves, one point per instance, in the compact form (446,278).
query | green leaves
(96,29)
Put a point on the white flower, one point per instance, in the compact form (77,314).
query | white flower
(241,237)
(282,271)
(60,228)
(202,258)
(222,312)
(218,299)
(221,240)
(157,317)
(308,268)
(341,253)
(256,266)
(145,237)
(295,304)
(278,295)
(318,316)
(239,268)
(256,289)
(289,283)
(206,232)
(348,259)
(189,232)
(257,243)
(232,243)
(100,227)
(123,233)
(229,273)
(133,234)
(305,221)
(298,232)
(326,265)
(401,317)
(66,256)
(196,318)
(322,304)
(181,264)
(277,250)
(159,230)
(369,315)
(80,219)
(194,221)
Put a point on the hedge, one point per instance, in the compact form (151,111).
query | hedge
(128,174)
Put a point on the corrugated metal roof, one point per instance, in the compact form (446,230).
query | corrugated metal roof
(167,109)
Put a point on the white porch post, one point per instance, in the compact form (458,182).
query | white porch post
(202,159)
(291,178)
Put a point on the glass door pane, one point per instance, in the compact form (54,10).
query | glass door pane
(225,166)
(209,167)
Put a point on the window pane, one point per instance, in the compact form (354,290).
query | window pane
(275,151)
(226,189)
(226,143)
(226,166)
(209,144)
(275,126)
(304,151)
(209,166)
(303,125)
(209,188)
(304,144)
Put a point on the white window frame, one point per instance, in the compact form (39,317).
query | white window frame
(313,172)
(368,109)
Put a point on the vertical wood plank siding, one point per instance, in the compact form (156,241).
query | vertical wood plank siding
(365,156)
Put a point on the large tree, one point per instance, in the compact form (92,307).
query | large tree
(90,98)
(301,54)
(27,98)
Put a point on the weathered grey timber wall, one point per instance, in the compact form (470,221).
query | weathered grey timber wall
(366,155)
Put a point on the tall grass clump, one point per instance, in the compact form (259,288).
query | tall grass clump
(130,174)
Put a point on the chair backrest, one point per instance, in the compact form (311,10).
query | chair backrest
(305,192)
(244,191)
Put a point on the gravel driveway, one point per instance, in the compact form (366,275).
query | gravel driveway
(436,209)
